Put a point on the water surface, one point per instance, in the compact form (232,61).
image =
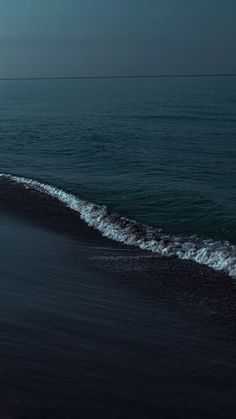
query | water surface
(96,321)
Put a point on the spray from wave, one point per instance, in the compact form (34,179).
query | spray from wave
(217,255)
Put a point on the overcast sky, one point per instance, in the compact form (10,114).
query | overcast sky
(49,38)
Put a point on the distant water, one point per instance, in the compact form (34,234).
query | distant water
(100,180)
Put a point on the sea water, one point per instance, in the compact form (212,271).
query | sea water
(117,204)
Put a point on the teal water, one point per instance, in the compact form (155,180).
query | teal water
(100,179)
(161,151)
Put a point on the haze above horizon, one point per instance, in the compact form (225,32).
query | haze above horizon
(132,38)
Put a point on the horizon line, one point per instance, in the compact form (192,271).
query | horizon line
(119,77)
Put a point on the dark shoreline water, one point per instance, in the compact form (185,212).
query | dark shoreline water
(109,340)
(47,206)
(96,328)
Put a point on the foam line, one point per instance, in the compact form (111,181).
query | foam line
(217,255)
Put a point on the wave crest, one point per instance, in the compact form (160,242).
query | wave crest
(216,255)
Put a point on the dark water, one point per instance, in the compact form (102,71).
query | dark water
(118,248)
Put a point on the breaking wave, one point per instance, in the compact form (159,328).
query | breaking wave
(216,255)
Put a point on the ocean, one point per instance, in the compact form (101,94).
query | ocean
(118,247)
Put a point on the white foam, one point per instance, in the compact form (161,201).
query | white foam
(217,255)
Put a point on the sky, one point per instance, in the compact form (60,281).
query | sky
(59,38)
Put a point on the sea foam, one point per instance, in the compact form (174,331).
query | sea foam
(215,254)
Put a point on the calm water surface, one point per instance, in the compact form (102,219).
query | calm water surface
(93,327)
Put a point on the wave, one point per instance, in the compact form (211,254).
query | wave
(220,256)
